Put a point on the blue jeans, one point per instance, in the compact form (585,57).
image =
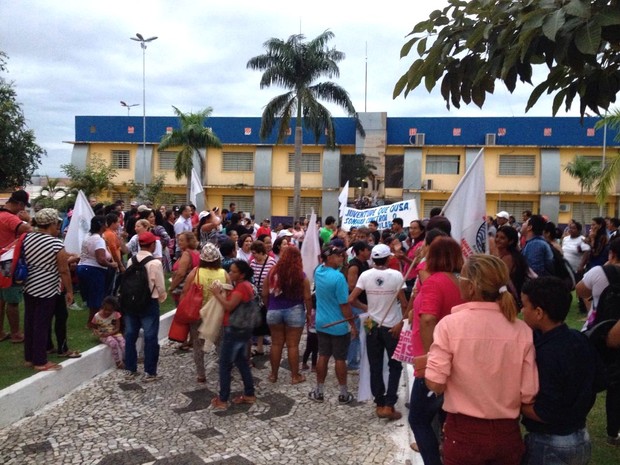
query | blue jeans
(550,449)
(353,357)
(422,411)
(379,341)
(149,322)
(233,350)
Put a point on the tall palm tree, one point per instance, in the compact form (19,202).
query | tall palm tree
(192,136)
(611,169)
(586,172)
(295,64)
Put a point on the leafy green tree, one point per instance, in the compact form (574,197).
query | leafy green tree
(53,194)
(295,65)
(474,43)
(355,168)
(155,192)
(192,136)
(586,172)
(610,173)
(19,154)
(94,179)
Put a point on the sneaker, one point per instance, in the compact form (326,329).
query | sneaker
(75,306)
(150,378)
(315,396)
(345,398)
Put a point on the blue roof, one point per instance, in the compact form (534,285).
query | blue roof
(439,131)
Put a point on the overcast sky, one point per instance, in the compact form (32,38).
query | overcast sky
(74,57)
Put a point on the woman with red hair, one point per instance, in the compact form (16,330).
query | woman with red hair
(286,291)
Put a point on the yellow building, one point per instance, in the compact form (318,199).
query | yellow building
(419,158)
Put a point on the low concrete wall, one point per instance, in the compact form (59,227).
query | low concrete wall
(31,394)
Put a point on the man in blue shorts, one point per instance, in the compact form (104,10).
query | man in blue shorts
(332,293)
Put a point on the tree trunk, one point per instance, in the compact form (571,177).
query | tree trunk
(297,166)
(583,222)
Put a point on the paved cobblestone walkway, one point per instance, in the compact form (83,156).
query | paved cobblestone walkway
(113,421)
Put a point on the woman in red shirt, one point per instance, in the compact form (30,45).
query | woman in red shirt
(234,344)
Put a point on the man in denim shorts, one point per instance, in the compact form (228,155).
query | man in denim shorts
(332,293)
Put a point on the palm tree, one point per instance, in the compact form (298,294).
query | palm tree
(611,169)
(586,172)
(295,64)
(191,137)
(51,193)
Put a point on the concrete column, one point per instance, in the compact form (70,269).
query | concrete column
(412,175)
(331,183)
(262,182)
(79,155)
(550,171)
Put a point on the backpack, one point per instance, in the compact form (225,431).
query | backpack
(135,293)
(606,316)
(563,270)
(13,267)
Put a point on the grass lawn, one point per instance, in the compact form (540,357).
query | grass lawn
(79,338)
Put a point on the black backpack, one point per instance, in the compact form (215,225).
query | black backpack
(135,293)
(563,270)
(607,315)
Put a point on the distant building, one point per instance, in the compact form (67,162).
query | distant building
(420,158)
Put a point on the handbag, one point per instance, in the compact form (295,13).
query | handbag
(246,316)
(188,310)
(404,349)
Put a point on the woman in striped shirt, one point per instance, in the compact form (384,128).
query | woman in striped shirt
(47,264)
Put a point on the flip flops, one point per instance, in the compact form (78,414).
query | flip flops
(5,337)
(71,354)
(298,379)
(49,366)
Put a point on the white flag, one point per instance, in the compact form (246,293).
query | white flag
(79,225)
(195,187)
(343,197)
(310,249)
(466,209)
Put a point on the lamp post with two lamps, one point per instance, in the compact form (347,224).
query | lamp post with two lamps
(143,42)
(129,106)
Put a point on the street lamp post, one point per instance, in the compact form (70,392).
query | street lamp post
(143,42)
(129,106)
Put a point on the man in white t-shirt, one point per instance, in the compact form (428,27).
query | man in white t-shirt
(386,307)
(574,246)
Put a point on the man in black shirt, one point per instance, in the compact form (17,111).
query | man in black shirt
(570,375)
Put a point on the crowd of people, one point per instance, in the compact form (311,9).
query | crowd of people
(480,369)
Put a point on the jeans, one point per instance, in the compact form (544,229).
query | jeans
(422,411)
(379,341)
(60,326)
(233,351)
(549,449)
(38,312)
(149,322)
(353,357)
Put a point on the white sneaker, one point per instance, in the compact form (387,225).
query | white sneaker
(75,306)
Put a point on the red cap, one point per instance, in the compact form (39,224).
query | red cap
(146,238)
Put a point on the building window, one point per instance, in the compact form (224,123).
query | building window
(443,164)
(245,203)
(430,204)
(306,205)
(590,210)
(237,161)
(166,161)
(517,165)
(394,171)
(514,207)
(179,199)
(310,162)
(120,159)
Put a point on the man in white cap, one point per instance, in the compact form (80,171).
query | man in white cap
(386,307)
(502,218)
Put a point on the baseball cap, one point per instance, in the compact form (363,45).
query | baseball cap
(380,251)
(46,216)
(285,233)
(503,214)
(333,250)
(146,238)
(203,214)
(20,196)
(143,208)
